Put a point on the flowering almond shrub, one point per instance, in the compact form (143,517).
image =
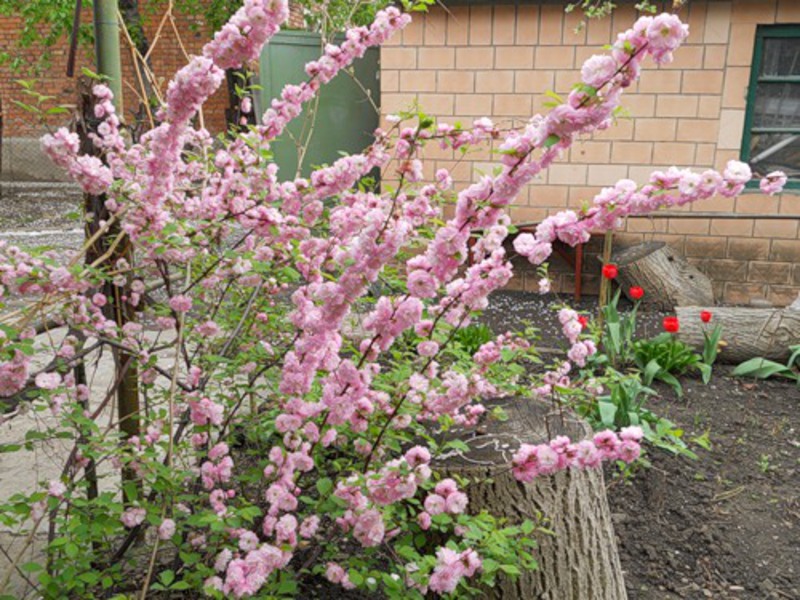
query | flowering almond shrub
(277,442)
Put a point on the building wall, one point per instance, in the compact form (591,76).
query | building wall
(464,62)
(166,59)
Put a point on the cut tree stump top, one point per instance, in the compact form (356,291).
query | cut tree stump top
(631,254)
(494,442)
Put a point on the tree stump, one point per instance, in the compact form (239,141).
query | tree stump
(667,278)
(580,561)
(747,332)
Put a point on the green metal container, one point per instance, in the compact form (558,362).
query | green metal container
(341,121)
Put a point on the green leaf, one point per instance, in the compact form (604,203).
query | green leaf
(324,486)
(607,413)
(761,368)
(551,140)
(705,371)
(650,372)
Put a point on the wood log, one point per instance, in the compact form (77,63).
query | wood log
(747,332)
(580,561)
(667,278)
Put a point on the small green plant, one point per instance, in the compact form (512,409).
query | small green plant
(618,330)
(623,405)
(664,358)
(761,368)
(710,339)
(764,464)
(472,337)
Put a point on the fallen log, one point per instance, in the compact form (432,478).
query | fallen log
(747,332)
(580,560)
(667,278)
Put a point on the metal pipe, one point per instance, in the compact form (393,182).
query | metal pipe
(107,47)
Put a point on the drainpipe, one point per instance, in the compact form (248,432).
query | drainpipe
(106,47)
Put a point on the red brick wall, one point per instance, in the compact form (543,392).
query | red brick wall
(167,57)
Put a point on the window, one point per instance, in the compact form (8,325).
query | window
(771,138)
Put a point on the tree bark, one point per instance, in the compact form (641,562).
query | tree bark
(667,278)
(580,560)
(117,309)
(747,332)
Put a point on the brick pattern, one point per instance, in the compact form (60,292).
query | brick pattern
(166,59)
(465,62)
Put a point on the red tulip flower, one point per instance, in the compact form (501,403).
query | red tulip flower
(671,324)
(610,271)
(705,316)
(583,321)
(636,292)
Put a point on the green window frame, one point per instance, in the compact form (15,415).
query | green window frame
(764,33)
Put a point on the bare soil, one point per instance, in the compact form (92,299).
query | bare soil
(728,524)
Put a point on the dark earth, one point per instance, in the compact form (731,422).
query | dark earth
(728,524)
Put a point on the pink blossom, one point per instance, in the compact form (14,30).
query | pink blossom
(48,381)
(309,527)
(435,504)
(133,517)
(180,303)
(56,489)
(598,70)
(424,520)
(737,171)
(13,374)
(369,529)
(773,183)
(428,348)
(166,530)
(451,567)
(336,574)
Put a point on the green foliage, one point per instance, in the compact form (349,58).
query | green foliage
(618,330)
(472,337)
(711,344)
(761,368)
(598,9)
(665,358)
(623,405)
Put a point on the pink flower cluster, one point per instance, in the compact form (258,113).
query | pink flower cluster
(446,499)
(451,567)
(218,469)
(240,40)
(561,453)
(674,187)
(88,171)
(13,374)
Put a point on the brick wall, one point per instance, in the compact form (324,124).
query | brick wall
(465,62)
(166,58)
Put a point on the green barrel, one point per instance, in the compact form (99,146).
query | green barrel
(345,116)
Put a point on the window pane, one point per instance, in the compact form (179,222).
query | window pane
(777,105)
(775,151)
(781,56)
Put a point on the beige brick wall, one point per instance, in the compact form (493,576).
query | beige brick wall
(465,62)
